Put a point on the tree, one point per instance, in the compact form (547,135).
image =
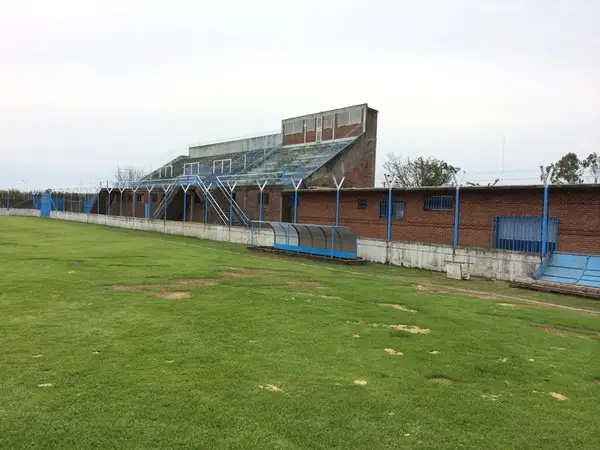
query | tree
(567,170)
(592,164)
(125,176)
(419,172)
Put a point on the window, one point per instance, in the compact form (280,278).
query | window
(328,121)
(139,197)
(362,203)
(523,234)
(439,203)
(355,116)
(310,124)
(154,198)
(293,126)
(343,119)
(397,209)
(129,198)
(266,198)
(221,166)
(349,117)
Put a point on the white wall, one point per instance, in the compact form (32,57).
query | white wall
(493,264)
(20,212)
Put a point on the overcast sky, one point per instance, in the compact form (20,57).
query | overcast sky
(89,85)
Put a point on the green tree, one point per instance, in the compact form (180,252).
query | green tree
(419,172)
(567,170)
(592,165)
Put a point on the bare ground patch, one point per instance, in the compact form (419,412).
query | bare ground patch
(360,382)
(396,306)
(393,352)
(411,329)
(582,334)
(195,282)
(157,291)
(439,379)
(455,291)
(271,387)
(45,385)
(559,396)
(243,272)
(314,284)
(510,305)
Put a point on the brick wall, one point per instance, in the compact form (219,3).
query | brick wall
(577,209)
(356,164)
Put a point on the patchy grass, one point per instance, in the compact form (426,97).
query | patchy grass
(250,360)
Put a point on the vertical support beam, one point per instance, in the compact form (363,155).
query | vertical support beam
(192,203)
(296,187)
(391,181)
(121,203)
(260,201)
(456,214)
(109,191)
(337,199)
(165,189)
(134,200)
(231,200)
(98,201)
(546,177)
(185,189)
(149,203)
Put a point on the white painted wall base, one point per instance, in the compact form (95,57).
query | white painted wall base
(491,264)
(20,212)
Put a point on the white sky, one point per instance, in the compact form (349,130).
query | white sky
(89,85)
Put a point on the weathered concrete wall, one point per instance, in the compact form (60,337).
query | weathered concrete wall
(236,235)
(492,264)
(236,146)
(20,212)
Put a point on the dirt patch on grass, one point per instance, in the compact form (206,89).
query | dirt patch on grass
(242,272)
(271,387)
(172,295)
(195,282)
(360,382)
(393,352)
(398,307)
(434,352)
(157,291)
(596,381)
(491,397)
(455,291)
(510,305)
(555,331)
(411,329)
(45,385)
(559,396)
(314,284)
(439,379)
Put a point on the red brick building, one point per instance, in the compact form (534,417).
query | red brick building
(427,214)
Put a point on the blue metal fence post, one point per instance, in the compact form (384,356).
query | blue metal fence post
(546,177)
(296,206)
(389,215)
(260,207)
(165,202)
(231,208)
(296,187)
(98,204)
(545,222)
(149,204)
(107,202)
(205,208)
(184,203)
(338,186)
(121,204)
(133,201)
(456,216)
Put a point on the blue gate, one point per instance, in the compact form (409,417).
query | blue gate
(46,205)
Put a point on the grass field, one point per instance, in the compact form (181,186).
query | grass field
(117,339)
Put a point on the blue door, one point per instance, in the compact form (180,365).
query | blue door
(46,205)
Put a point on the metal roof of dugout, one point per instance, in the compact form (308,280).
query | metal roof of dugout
(320,240)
